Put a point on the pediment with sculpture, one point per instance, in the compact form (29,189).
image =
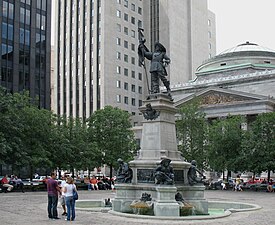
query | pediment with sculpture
(215,96)
(220,98)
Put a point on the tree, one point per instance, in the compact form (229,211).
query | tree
(259,144)
(6,125)
(109,129)
(71,144)
(224,142)
(192,133)
(24,131)
(35,137)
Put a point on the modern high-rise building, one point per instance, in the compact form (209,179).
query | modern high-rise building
(25,42)
(96,61)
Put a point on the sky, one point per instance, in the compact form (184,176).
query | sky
(238,21)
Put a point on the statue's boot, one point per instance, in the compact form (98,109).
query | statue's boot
(167,85)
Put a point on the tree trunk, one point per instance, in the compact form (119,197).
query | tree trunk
(268,175)
(31,172)
(72,169)
(111,171)
(59,173)
(228,175)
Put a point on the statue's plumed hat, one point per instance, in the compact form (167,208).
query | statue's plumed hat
(164,160)
(119,160)
(161,47)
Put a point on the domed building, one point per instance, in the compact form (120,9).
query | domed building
(238,81)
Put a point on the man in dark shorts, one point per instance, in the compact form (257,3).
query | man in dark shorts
(53,190)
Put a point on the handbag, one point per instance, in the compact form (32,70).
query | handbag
(75,195)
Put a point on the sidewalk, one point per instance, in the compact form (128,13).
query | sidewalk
(31,209)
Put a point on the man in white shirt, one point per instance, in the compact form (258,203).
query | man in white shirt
(62,197)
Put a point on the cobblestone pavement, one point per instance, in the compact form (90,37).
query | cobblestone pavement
(31,209)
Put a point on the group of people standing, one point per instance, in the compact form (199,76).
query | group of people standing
(65,191)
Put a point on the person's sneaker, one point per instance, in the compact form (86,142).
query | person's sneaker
(56,218)
(64,214)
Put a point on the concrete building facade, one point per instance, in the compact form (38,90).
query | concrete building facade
(96,61)
(25,42)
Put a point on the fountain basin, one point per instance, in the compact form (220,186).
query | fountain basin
(217,209)
(93,205)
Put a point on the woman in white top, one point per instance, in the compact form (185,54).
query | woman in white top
(70,202)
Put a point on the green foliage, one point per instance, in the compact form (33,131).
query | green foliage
(225,138)
(259,144)
(39,139)
(192,133)
(109,129)
(70,146)
(11,126)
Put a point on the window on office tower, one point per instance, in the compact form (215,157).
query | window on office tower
(126,30)
(118,41)
(118,27)
(126,72)
(126,101)
(133,7)
(126,3)
(118,55)
(126,86)
(133,20)
(126,17)
(133,47)
(139,89)
(139,23)
(118,84)
(126,58)
(139,11)
(118,98)
(118,70)
(133,102)
(133,33)
(125,44)
(140,76)
(118,14)
(133,88)
(133,60)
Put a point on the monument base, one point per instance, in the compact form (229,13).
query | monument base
(163,197)
(165,203)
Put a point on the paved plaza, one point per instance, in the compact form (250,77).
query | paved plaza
(30,208)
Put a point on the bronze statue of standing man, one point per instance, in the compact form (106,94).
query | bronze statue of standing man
(159,60)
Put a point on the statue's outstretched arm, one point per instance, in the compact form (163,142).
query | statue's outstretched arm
(148,55)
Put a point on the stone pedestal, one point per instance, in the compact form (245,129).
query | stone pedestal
(165,203)
(158,141)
